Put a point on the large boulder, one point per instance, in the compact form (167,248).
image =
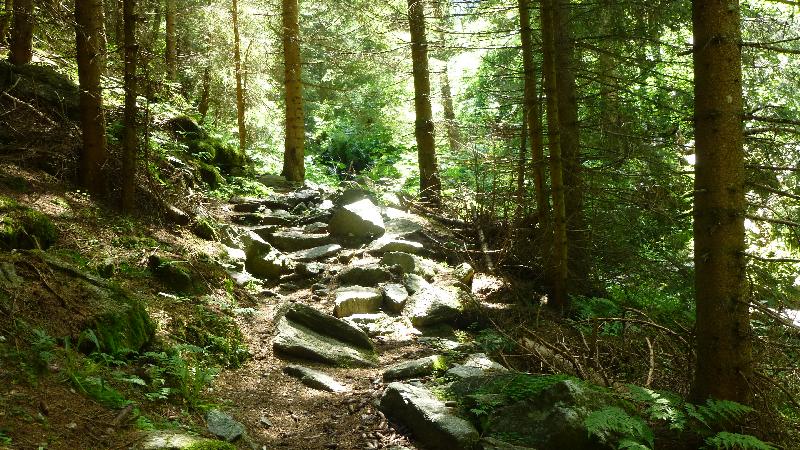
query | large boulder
(329,325)
(351,300)
(364,275)
(429,420)
(435,304)
(360,219)
(299,341)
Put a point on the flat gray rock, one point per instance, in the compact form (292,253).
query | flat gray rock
(415,368)
(299,341)
(313,254)
(359,219)
(394,297)
(388,244)
(414,283)
(406,261)
(292,241)
(174,440)
(315,379)
(351,300)
(365,275)
(328,325)
(429,420)
(435,304)
(224,426)
(269,266)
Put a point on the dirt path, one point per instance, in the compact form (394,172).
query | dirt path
(280,412)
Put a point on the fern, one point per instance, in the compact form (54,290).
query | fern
(612,424)
(717,412)
(734,441)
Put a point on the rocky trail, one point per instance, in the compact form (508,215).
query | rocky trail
(357,303)
(356,335)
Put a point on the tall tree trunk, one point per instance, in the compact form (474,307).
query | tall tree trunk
(430,185)
(560,301)
(21,42)
(205,95)
(89,46)
(119,25)
(170,50)
(237,61)
(534,115)
(724,348)
(453,135)
(522,165)
(294,151)
(5,20)
(577,232)
(130,139)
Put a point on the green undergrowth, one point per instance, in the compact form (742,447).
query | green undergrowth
(22,227)
(630,425)
(482,396)
(214,332)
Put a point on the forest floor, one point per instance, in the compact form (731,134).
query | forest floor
(46,409)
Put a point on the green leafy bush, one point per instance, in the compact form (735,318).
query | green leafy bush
(350,148)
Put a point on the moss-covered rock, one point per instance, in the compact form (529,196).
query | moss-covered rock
(210,175)
(205,229)
(172,273)
(126,325)
(42,85)
(24,228)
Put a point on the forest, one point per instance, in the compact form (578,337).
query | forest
(409,224)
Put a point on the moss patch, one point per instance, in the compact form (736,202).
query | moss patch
(211,445)
(214,332)
(127,326)
(210,175)
(24,228)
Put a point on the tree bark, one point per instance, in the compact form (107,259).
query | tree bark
(577,231)
(534,115)
(522,166)
(294,151)
(430,185)
(5,19)
(237,61)
(453,137)
(560,301)
(21,42)
(119,25)
(170,50)
(724,347)
(89,46)
(130,139)
(205,95)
